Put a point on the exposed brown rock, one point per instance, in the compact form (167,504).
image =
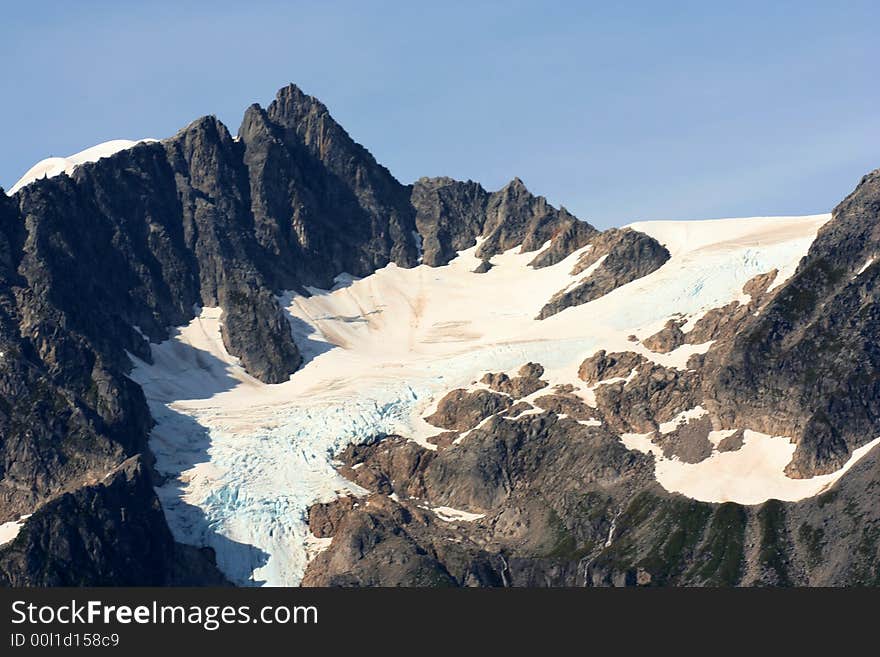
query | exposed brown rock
(756,287)
(517,408)
(689,442)
(461,410)
(666,339)
(732,443)
(483,267)
(527,381)
(445,439)
(603,365)
(656,395)
(391,465)
(324,517)
(567,404)
(629,255)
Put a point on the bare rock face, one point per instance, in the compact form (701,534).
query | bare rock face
(450,215)
(515,217)
(444,439)
(757,287)
(732,443)
(527,381)
(392,465)
(667,339)
(336,193)
(324,518)
(723,323)
(385,543)
(566,404)
(109,533)
(628,254)
(602,365)
(689,442)
(483,267)
(656,395)
(571,235)
(461,410)
(255,327)
(717,322)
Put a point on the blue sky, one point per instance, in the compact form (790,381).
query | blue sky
(619,111)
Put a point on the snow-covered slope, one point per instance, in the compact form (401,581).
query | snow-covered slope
(245,460)
(52,166)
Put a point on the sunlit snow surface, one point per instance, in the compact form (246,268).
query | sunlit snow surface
(52,166)
(9,530)
(245,460)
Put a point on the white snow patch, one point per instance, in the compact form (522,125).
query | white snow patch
(715,437)
(752,474)
(585,274)
(641,442)
(448,514)
(9,530)
(53,166)
(678,357)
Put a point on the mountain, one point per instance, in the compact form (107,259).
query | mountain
(262,359)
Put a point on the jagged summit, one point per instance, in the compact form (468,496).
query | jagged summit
(291,101)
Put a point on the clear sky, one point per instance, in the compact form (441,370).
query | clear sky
(620,111)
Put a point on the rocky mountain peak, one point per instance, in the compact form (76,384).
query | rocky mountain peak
(291,104)
(515,187)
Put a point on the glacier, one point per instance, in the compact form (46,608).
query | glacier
(242,461)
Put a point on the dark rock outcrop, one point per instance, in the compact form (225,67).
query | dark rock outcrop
(384,543)
(534,478)
(602,365)
(527,381)
(451,215)
(567,404)
(629,255)
(461,410)
(324,518)
(108,533)
(667,339)
(732,443)
(656,395)
(689,442)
